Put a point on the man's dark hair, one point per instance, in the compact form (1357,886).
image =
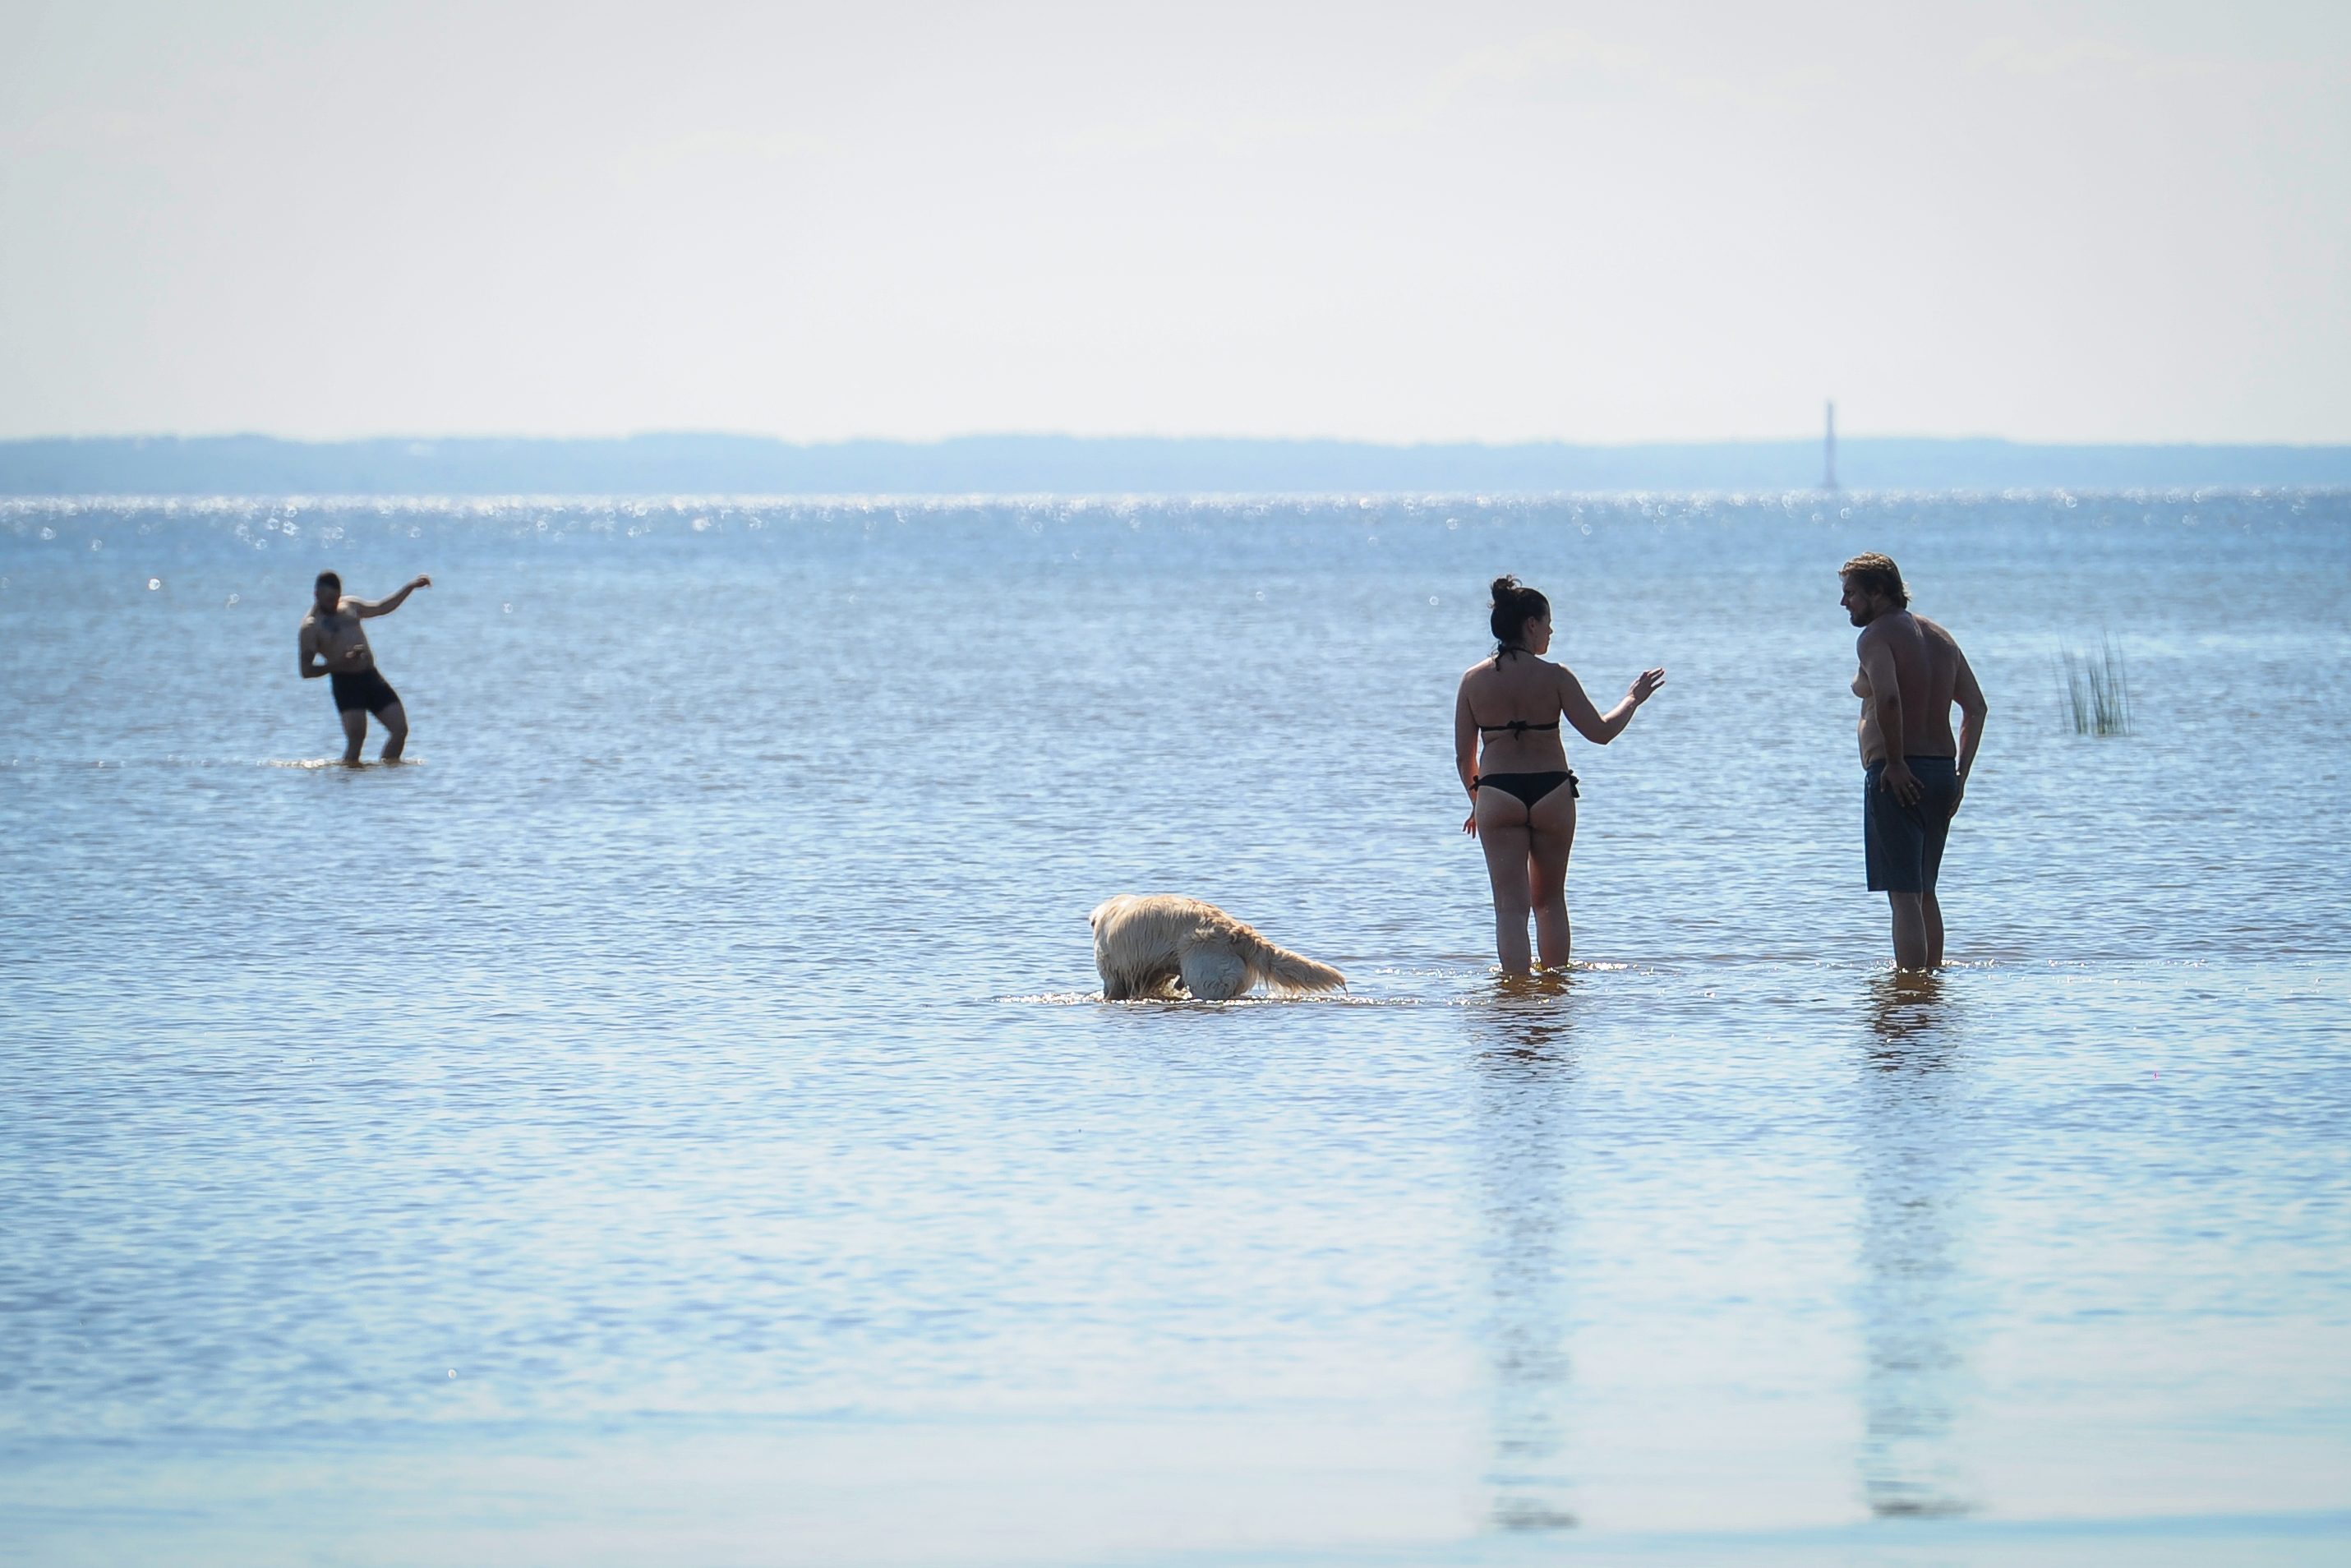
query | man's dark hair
(1877,574)
(325,577)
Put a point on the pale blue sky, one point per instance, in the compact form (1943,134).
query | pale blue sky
(1487,221)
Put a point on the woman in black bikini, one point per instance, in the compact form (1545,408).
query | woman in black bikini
(1523,796)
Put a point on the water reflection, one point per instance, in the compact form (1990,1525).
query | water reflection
(1526,1071)
(1912,1144)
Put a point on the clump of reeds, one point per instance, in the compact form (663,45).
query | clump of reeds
(2097,689)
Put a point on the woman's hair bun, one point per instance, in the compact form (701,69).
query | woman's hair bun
(1514,605)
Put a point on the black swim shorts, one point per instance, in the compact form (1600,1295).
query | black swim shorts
(367,689)
(1906,842)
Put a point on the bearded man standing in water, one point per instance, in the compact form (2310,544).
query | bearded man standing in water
(331,634)
(1915,770)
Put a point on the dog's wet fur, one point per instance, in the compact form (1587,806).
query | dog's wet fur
(1162,945)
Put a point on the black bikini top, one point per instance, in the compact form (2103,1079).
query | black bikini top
(1516,727)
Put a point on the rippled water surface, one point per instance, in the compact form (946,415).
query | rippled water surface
(669,1121)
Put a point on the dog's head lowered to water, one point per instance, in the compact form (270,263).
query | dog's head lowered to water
(1164,945)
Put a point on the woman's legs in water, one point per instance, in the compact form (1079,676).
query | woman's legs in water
(1552,823)
(1526,861)
(1503,834)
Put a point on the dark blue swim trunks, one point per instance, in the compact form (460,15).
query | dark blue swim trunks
(367,689)
(1906,842)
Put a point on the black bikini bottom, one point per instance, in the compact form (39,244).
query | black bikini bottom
(1529,786)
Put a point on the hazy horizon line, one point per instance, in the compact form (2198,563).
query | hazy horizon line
(714,463)
(1813,438)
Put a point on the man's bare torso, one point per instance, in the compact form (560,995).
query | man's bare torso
(1927,665)
(340,640)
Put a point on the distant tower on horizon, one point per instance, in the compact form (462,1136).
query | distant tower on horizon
(1828,452)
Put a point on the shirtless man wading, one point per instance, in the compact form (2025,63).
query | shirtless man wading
(1916,771)
(332,635)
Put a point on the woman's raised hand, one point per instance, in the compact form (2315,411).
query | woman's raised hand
(1646,684)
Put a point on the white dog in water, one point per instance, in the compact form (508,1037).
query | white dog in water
(1146,945)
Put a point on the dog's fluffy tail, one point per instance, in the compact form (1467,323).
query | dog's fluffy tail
(1284,970)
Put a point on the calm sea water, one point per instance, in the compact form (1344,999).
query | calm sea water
(668,1123)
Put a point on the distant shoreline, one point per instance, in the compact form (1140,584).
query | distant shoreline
(1030,465)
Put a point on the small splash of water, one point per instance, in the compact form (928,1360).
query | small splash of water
(315,764)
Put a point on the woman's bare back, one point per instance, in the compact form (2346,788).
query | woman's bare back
(1516,701)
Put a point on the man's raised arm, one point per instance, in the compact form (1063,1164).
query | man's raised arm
(368,611)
